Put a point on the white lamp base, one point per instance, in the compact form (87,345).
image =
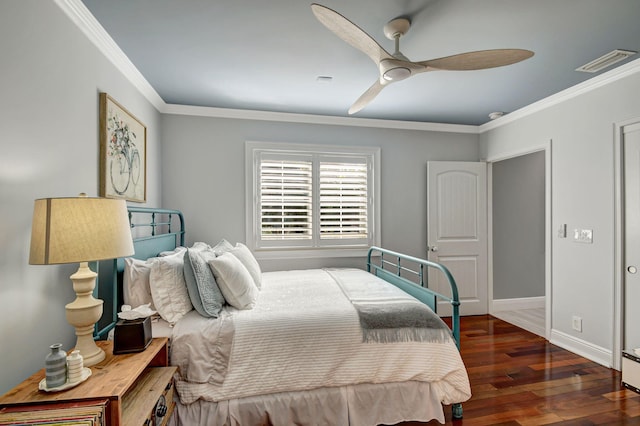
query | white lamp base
(84,312)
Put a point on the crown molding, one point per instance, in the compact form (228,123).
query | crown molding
(242,114)
(596,82)
(88,24)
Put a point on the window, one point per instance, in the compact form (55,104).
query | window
(310,199)
(285,199)
(343,200)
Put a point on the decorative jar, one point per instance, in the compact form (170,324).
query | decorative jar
(56,366)
(74,366)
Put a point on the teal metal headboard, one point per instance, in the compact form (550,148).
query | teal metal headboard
(390,266)
(154,231)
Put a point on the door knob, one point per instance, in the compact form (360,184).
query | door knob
(433,248)
(632,269)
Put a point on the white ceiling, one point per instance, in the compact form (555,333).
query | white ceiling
(267,55)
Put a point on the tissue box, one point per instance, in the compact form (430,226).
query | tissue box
(131,335)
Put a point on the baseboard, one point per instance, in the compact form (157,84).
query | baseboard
(500,305)
(507,310)
(504,308)
(578,346)
(523,323)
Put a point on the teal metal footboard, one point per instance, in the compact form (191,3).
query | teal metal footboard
(396,268)
(390,266)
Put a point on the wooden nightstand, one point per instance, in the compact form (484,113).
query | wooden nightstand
(129,384)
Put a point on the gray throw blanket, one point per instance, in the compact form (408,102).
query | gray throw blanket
(387,314)
(400,322)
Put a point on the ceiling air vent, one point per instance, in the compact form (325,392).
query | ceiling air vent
(606,60)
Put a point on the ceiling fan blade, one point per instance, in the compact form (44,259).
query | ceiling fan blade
(479,60)
(366,97)
(349,32)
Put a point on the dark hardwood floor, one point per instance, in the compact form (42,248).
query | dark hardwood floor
(518,378)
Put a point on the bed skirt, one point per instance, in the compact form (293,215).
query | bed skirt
(356,405)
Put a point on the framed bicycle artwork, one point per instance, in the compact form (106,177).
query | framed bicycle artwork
(123,152)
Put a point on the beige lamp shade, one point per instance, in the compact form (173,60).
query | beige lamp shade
(79,229)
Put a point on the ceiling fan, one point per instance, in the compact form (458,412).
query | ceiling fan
(396,67)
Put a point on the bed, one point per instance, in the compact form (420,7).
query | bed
(318,346)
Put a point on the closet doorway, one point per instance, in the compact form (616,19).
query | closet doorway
(628,283)
(519,241)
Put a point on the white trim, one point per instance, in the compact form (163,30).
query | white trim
(581,347)
(548,245)
(500,305)
(564,95)
(89,25)
(618,248)
(523,323)
(309,253)
(517,152)
(507,310)
(242,114)
(490,237)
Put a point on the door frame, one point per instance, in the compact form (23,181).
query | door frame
(618,249)
(546,147)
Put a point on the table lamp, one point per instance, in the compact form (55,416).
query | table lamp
(81,230)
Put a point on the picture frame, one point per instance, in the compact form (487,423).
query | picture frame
(123,152)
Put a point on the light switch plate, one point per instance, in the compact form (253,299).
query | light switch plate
(583,236)
(562,231)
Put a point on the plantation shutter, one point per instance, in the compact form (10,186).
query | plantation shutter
(343,200)
(312,200)
(286,199)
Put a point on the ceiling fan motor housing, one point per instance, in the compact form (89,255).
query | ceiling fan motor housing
(396,74)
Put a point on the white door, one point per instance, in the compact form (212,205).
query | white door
(457,231)
(631,147)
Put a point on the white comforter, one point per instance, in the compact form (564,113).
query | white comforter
(304,333)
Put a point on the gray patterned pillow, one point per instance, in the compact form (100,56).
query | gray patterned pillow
(203,290)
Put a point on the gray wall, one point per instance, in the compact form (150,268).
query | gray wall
(518,227)
(51,77)
(582,134)
(204,175)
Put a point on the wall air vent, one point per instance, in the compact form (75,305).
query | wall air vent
(606,60)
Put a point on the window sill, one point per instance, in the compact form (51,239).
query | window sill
(268,254)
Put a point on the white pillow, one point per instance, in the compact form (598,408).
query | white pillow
(199,245)
(245,256)
(235,282)
(168,288)
(179,249)
(222,247)
(136,290)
